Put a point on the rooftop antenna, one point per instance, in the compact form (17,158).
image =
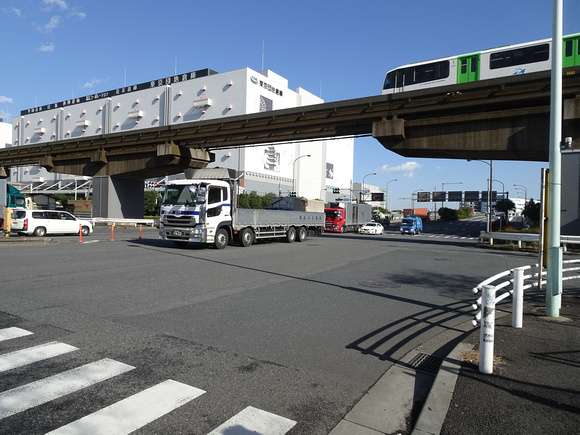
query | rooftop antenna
(262,55)
(125,77)
(175,73)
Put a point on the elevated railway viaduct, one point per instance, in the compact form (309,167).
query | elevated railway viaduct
(499,119)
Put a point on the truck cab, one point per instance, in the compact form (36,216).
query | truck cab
(195,211)
(411,225)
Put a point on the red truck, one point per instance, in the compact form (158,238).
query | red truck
(341,217)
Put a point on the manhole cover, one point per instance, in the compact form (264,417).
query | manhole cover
(425,363)
(379,284)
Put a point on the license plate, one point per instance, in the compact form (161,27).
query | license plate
(176,233)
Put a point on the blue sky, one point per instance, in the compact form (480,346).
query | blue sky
(339,50)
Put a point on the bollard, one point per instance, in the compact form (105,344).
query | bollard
(140,230)
(80,233)
(486,331)
(112,232)
(518,298)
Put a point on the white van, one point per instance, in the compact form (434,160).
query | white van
(42,222)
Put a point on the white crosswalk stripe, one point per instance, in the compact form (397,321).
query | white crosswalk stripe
(120,418)
(34,354)
(36,393)
(133,412)
(253,420)
(11,333)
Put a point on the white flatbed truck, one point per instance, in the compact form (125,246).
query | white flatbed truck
(203,210)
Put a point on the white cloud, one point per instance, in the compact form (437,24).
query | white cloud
(16,12)
(92,83)
(4,99)
(47,47)
(60,4)
(79,15)
(52,24)
(406,169)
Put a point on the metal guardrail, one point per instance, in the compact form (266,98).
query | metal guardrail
(525,237)
(485,317)
(532,278)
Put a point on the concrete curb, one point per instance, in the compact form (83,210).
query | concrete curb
(437,404)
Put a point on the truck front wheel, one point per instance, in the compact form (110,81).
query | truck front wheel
(221,239)
(291,235)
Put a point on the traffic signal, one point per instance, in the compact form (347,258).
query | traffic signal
(292,194)
(335,190)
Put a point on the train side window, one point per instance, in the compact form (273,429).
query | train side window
(569,48)
(464,66)
(519,56)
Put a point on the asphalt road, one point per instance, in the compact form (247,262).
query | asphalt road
(299,330)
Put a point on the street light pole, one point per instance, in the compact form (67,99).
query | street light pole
(490,163)
(294,170)
(387,193)
(363,184)
(525,192)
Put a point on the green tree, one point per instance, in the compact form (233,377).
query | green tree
(152,203)
(532,211)
(253,200)
(448,214)
(505,205)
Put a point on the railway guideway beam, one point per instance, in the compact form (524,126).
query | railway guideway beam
(118,177)
(511,134)
(146,162)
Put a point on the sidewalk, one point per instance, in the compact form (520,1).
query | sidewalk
(535,385)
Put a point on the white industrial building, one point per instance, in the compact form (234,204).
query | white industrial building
(309,168)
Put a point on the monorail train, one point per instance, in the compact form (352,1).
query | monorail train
(483,65)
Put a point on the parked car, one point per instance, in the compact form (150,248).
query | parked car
(42,222)
(371,228)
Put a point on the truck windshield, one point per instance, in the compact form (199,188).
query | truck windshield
(333,213)
(19,202)
(179,195)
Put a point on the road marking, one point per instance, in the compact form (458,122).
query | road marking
(31,355)
(134,412)
(36,393)
(253,420)
(10,333)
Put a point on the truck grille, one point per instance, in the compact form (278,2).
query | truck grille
(180,221)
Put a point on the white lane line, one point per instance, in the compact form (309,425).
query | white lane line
(134,412)
(253,420)
(44,390)
(13,332)
(31,355)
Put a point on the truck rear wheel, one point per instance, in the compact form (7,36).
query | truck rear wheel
(291,235)
(302,234)
(221,239)
(246,237)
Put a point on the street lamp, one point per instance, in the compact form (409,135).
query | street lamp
(363,184)
(502,188)
(294,170)
(525,191)
(413,200)
(387,193)
(490,163)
